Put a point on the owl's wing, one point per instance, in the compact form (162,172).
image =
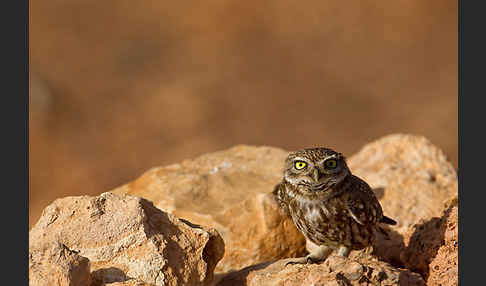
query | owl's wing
(281,198)
(362,204)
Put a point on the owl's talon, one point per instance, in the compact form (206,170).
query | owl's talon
(293,263)
(303,260)
(310,260)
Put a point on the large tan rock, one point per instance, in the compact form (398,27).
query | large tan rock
(54,264)
(432,247)
(334,271)
(412,178)
(228,190)
(126,238)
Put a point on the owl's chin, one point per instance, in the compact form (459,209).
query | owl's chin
(313,187)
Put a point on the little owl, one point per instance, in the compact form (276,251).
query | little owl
(334,209)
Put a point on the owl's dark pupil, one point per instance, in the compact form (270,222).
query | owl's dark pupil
(331,163)
(300,165)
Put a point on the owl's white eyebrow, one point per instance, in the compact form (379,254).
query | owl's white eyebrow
(328,157)
(299,159)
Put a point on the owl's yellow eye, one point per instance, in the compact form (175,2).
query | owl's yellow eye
(330,164)
(299,165)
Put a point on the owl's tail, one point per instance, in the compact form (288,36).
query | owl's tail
(388,220)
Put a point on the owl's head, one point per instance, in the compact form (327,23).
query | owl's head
(316,168)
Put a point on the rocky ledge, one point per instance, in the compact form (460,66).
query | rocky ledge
(211,221)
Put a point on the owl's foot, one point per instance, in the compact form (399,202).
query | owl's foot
(303,260)
(319,254)
(344,251)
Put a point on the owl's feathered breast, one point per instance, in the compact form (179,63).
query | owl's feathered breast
(344,214)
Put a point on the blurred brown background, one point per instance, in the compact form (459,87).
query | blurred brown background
(118,87)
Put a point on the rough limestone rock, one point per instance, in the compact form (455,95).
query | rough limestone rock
(228,190)
(432,248)
(444,267)
(334,271)
(54,264)
(411,177)
(125,238)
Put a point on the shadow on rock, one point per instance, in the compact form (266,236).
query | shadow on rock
(108,275)
(238,278)
(427,238)
(388,244)
(388,247)
(159,220)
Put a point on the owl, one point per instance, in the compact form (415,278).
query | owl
(334,209)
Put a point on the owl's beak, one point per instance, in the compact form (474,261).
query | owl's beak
(316,175)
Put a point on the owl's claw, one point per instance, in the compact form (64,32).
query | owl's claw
(302,260)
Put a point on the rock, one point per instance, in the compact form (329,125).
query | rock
(334,271)
(432,247)
(411,178)
(126,238)
(118,239)
(54,264)
(444,267)
(228,190)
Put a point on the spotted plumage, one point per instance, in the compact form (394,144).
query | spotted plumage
(332,208)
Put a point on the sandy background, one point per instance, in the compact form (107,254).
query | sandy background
(118,87)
